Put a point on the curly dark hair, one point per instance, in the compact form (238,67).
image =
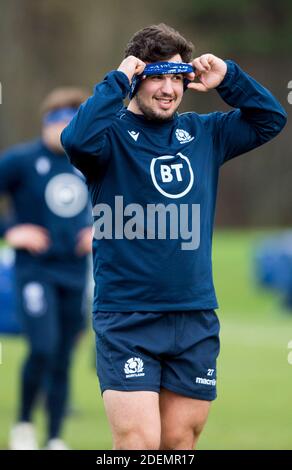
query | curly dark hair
(157,43)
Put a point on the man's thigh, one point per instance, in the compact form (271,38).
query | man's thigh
(134,418)
(182,420)
(37,309)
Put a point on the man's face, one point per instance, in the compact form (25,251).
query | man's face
(159,96)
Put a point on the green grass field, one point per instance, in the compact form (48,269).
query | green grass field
(253,409)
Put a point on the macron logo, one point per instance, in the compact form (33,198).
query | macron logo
(134,135)
(200,380)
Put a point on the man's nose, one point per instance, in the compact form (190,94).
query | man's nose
(166,86)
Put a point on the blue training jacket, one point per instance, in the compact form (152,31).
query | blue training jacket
(153,189)
(47,191)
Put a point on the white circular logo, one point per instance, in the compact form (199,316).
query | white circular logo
(66,195)
(183,136)
(134,366)
(172,175)
(43,165)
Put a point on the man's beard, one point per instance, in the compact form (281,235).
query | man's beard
(152,115)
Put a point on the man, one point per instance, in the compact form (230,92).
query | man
(52,237)
(152,176)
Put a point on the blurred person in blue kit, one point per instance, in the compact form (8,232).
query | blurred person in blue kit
(51,235)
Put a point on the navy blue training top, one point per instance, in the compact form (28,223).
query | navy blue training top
(153,189)
(46,190)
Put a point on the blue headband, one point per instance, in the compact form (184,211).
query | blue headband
(59,115)
(161,68)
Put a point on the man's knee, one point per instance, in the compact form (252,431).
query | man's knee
(137,439)
(181,438)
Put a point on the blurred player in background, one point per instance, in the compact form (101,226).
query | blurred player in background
(52,238)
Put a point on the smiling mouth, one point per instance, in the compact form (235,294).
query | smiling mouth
(164,102)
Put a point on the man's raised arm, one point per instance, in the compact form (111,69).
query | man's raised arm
(86,136)
(258,118)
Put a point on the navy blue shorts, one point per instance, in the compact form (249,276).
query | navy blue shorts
(153,350)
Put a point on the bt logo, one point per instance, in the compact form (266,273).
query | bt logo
(166,172)
(172,175)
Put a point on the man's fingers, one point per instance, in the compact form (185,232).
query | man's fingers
(205,63)
(198,66)
(201,64)
(29,237)
(197,87)
(40,242)
(131,66)
(40,245)
(42,238)
(139,68)
(190,76)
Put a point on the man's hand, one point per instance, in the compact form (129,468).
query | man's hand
(210,71)
(84,244)
(132,66)
(32,238)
